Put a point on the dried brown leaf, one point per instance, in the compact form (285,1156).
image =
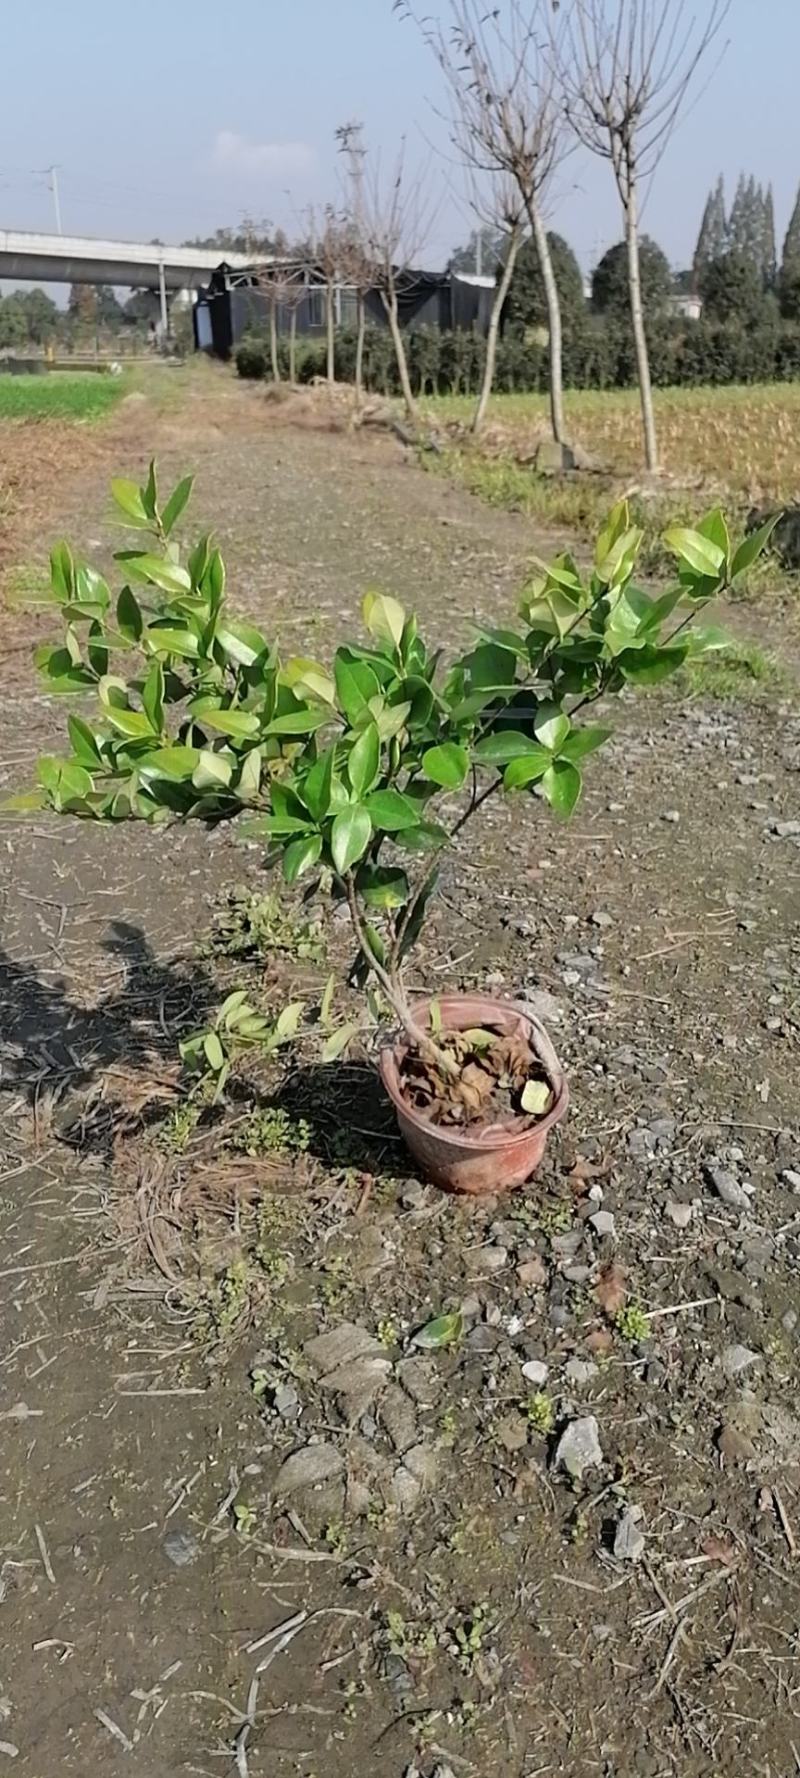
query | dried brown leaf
(611,1288)
(720,1549)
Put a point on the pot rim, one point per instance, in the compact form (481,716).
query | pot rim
(390,1075)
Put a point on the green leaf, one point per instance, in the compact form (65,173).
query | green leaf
(128,498)
(288,1020)
(356,684)
(427,836)
(382,886)
(350,836)
(335,1045)
(326,1002)
(307,679)
(84,745)
(384,617)
(278,827)
(166,638)
(528,769)
(391,811)
(715,527)
(446,765)
(170,762)
(233,1005)
(241,725)
(214,1052)
(619,562)
(153,697)
(445,1330)
(300,855)
(298,722)
(317,785)
(751,547)
(615,526)
(705,638)
(583,741)
(132,723)
(149,492)
(157,571)
(499,748)
(242,642)
(561,784)
(490,666)
(649,666)
(699,553)
(211,771)
(536,1097)
(659,609)
(551,727)
(249,780)
(393,717)
(62,572)
(364,760)
(177,501)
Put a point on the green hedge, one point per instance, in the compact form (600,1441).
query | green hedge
(597,355)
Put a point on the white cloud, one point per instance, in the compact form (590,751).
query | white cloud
(266,160)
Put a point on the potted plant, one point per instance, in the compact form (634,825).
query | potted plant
(359,777)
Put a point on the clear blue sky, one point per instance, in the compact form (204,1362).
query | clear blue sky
(169,118)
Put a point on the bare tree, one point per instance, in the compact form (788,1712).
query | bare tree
(501,206)
(626,67)
(358,269)
(506,117)
(325,245)
(395,226)
(279,282)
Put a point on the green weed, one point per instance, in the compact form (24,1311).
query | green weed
(633,1324)
(272,1131)
(743,671)
(59,396)
(250,924)
(409,1641)
(541,1413)
(175,1132)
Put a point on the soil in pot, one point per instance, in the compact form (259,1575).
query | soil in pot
(497,1080)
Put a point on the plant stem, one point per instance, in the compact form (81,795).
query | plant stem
(393,989)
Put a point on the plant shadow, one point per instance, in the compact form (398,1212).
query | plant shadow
(350,1120)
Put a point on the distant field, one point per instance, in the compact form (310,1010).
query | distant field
(746,439)
(59,396)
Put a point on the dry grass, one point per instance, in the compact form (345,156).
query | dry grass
(743,440)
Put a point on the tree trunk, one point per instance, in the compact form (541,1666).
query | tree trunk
(501,292)
(637,317)
(329,325)
(362,319)
(539,233)
(273,342)
(293,346)
(389,299)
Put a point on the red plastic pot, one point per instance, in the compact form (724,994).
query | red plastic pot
(488,1158)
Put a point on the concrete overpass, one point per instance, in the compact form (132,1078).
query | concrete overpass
(81,259)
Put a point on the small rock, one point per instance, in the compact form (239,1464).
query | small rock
(532,1272)
(543,1005)
(565,1247)
(535,1372)
(727,1188)
(603,1222)
(580,1371)
(789,1321)
(791,1178)
(181,1548)
(579,1448)
(736,1359)
(404,1490)
(286,1401)
(558,1316)
(734,1446)
(487,1259)
(399,1419)
(672,816)
(629,1538)
(641,1144)
(600,918)
(680,1214)
(785,830)
(512,1432)
(307,1467)
(422,1463)
(414,1195)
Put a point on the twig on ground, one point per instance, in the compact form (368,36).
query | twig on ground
(44,1553)
(785,1526)
(114,1729)
(669,1657)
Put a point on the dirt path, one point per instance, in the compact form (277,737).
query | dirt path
(450,1600)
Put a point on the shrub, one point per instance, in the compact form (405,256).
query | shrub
(251,360)
(348,772)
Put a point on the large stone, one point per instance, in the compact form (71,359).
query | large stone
(340,1346)
(736,1359)
(629,1538)
(552,458)
(579,1448)
(308,1467)
(422,1379)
